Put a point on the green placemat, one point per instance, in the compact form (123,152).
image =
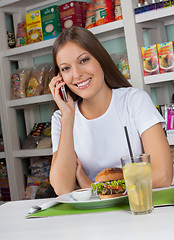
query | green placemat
(160,197)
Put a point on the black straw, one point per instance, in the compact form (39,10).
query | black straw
(128,142)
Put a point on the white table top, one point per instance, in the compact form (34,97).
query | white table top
(103,226)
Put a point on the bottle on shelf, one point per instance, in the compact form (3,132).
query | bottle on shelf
(160,4)
(138,10)
(145,7)
(167,3)
(152,6)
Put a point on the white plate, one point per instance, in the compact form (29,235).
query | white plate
(94,202)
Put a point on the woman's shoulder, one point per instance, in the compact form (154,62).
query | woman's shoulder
(128,92)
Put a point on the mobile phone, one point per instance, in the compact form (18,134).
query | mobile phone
(63,93)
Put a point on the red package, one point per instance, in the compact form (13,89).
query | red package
(103,11)
(90,16)
(71,14)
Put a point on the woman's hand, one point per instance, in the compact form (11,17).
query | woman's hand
(65,107)
(83,180)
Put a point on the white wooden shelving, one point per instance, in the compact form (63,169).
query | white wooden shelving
(16,103)
(131,27)
(158,78)
(2,155)
(164,14)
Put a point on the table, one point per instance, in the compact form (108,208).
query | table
(102,226)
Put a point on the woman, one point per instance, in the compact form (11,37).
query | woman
(88,130)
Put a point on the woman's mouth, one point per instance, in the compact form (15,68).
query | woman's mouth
(84,84)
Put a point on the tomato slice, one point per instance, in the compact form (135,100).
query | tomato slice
(112,187)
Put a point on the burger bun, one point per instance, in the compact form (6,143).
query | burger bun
(109,174)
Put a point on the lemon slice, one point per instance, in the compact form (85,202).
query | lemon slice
(133,196)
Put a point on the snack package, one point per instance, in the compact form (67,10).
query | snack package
(51,26)
(19,80)
(83,10)
(36,82)
(103,11)
(90,16)
(38,132)
(48,80)
(71,14)
(125,68)
(34,27)
(118,10)
(32,186)
(45,190)
(150,60)
(166,56)
(21,39)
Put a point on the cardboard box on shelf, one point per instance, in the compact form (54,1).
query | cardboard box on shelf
(71,14)
(51,25)
(34,27)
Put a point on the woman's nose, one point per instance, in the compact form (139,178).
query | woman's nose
(77,72)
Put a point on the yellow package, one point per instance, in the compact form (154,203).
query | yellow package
(34,27)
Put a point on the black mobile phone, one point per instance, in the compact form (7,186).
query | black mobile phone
(63,93)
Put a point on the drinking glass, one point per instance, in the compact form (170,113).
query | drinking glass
(138,179)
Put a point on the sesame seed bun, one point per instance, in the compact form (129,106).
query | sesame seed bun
(109,174)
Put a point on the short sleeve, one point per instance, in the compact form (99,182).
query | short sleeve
(55,130)
(144,111)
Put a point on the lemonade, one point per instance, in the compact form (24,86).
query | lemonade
(138,179)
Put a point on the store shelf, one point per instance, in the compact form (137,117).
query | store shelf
(2,155)
(25,3)
(30,100)
(163,14)
(164,77)
(103,29)
(32,153)
(28,48)
(107,27)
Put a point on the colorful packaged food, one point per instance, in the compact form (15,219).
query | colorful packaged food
(150,60)
(51,26)
(34,27)
(103,11)
(36,81)
(169,116)
(83,9)
(125,68)
(70,14)
(166,56)
(90,16)
(19,81)
(118,10)
(21,39)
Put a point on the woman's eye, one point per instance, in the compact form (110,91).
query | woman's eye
(84,60)
(65,69)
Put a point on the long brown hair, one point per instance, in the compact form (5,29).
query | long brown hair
(87,40)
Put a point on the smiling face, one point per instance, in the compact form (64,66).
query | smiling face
(81,72)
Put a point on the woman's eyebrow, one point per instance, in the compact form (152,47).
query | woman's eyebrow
(77,58)
(81,54)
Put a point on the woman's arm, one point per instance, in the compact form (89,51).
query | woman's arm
(63,166)
(155,143)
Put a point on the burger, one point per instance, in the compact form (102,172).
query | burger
(109,183)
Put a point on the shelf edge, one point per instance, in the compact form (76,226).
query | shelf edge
(32,153)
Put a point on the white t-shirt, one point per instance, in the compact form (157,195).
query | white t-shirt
(101,142)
